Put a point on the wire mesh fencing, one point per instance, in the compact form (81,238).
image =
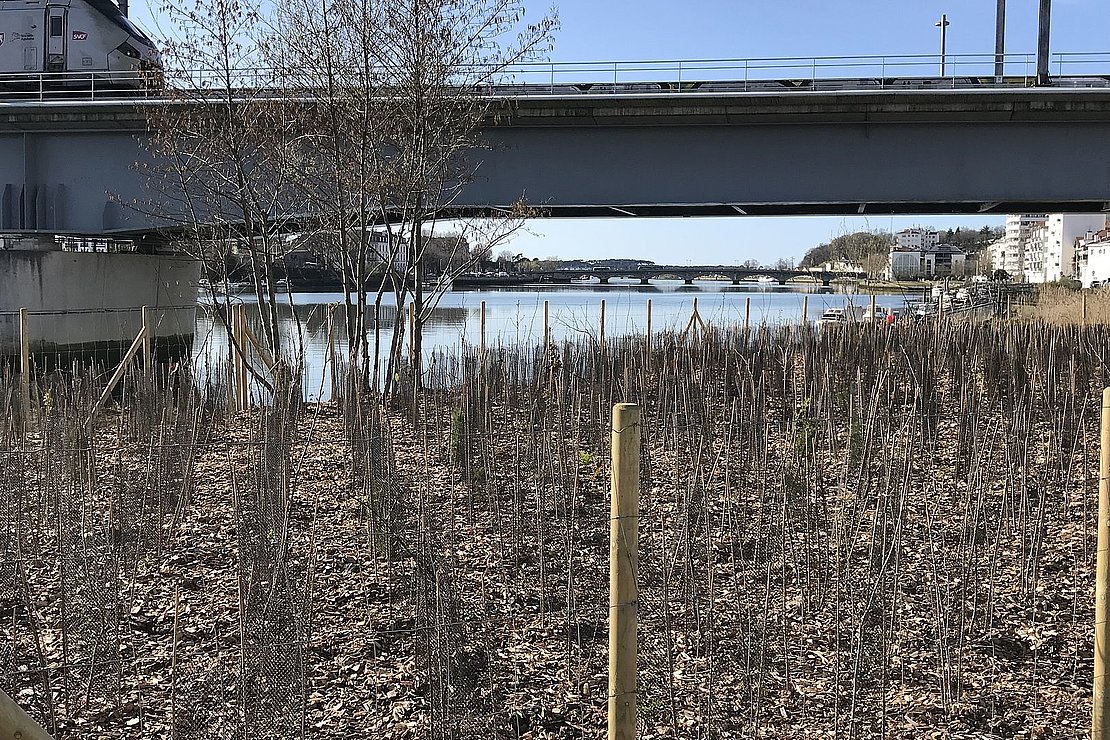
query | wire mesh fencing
(859,531)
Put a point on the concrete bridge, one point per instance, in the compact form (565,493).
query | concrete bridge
(68,166)
(688,274)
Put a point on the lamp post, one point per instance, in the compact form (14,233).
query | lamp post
(1000,41)
(1044,21)
(942,24)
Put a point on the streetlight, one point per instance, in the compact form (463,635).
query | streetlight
(942,24)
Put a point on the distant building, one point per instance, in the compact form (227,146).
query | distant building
(917,238)
(1092,255)
(1049,252)
(1008,253)
(838,266)
(937,260)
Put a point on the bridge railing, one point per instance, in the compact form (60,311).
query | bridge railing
(756,74)
(913,71)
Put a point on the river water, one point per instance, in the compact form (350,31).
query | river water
(516,315)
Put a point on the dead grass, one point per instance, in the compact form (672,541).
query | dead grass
(1063,306)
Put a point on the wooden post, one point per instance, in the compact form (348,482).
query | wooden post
(647,332)
(1084,308)
(482,338)
(747,311)
(412,335)
(805,309)
(546,324)
(241,384)
(624,522)
(871,315)
(1100,715)
(15,723)
(148,358)
(140,341)
(601,323)
(331,353)
(24,364)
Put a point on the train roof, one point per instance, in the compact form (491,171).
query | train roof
(111,11)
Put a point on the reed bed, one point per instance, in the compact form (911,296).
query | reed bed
(855,532)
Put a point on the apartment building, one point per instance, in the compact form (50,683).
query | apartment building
(1008,253)
(1049,250)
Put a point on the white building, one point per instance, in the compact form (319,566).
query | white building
(917,238)
(1050,247)
(934,261)
(1008,253)
(1092,255)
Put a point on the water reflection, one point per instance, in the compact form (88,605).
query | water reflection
(516,315)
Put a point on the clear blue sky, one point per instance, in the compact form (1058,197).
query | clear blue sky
(594,30)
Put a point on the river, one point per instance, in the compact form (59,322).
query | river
(516,315)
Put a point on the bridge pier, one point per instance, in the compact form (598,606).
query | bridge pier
(826,282)
(604,279)
(645,281)
(781,281)
(688,281)
(735,279)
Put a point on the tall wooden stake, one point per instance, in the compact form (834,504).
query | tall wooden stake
(482,338)
(601,325)
(546,324)
(148,347)
(24,364)
(331,353)
(871,316)
(647,331)
(747,311)
(624,523)
(1100,715)
(1084,308)
(805,309)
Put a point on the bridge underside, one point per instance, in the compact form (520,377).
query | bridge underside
(71,169)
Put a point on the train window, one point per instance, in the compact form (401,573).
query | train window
(56,25)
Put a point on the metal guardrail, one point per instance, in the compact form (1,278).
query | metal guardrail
(756,74)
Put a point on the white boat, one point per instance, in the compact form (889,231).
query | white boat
(845,315)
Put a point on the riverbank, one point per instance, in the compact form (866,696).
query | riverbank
(861,530)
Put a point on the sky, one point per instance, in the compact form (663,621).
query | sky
(631,30)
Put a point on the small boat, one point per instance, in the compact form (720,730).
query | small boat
(844,315)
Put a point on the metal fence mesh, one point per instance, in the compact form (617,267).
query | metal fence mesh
(860,532)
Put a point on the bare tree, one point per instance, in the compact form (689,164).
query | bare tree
(223,142)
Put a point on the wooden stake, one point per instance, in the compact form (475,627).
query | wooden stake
(331,353)
(1084,308)
(546,324)
(871,315)
(148,356)
(747,311)
(601,322)
(24,364)
(242,383)
(482,337)
(647,333)
(624,522)
(1100,715)
(136,345)
(412,333)
(15,723)
(805,309)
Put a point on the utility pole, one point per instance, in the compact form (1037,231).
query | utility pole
(1000,41)
(943,24)
(1043,22)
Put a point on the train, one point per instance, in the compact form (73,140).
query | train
(772,85)
(74,43)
